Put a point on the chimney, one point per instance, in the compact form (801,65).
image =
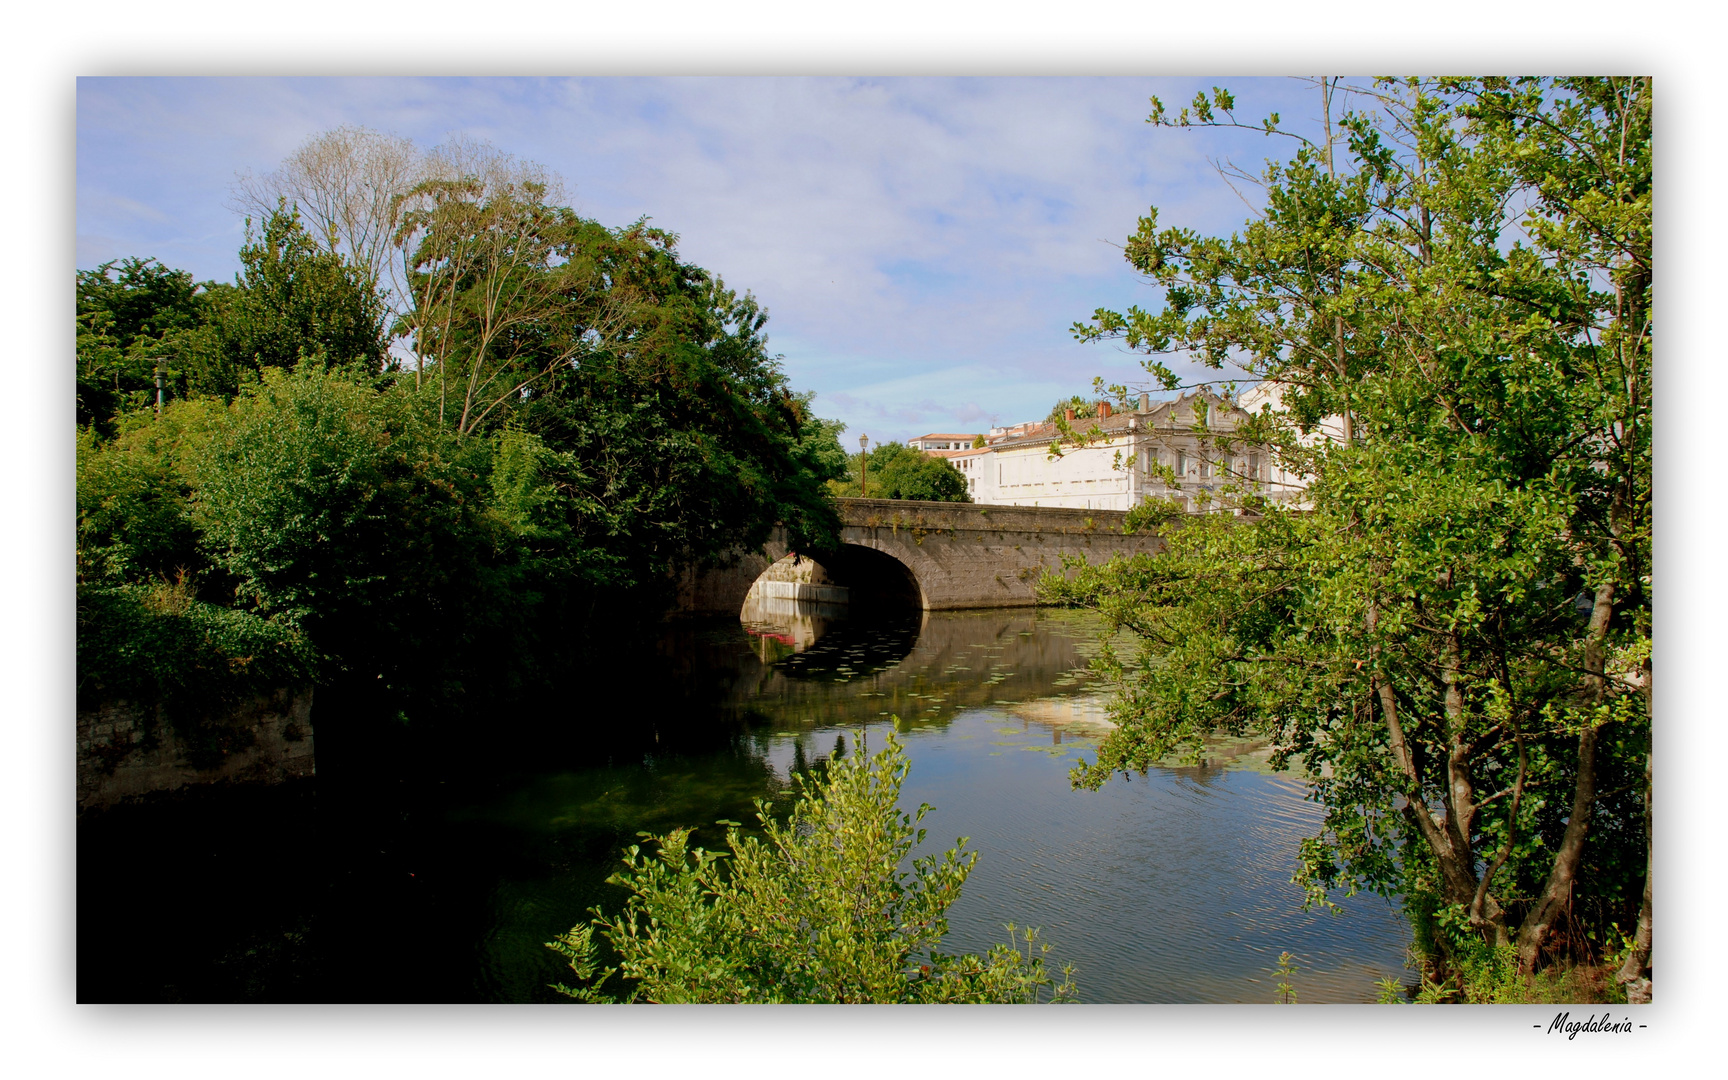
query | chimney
(1145,402)
(1070,414)
(1103,410)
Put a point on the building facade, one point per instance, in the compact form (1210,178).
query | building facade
(1114,470)
(943,442)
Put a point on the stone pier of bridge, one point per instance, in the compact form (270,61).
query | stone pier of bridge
(931,555)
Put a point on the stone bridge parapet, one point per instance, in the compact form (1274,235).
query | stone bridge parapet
(960,555)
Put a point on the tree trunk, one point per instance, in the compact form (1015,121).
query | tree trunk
(1457,867)
(1557,892)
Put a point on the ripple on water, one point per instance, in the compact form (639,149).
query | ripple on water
(1173,887)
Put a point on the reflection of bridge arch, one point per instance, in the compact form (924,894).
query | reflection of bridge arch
(935,556)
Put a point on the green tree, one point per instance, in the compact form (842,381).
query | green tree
(1083,409)
(296,299)
(886,454)
(292,300)
(356,516)
(134,498)
(817,909)
(920,476)
(135,316)
(1454,636)
(897,471)
(822,439)
(505,289)
(591,415)
(680,440)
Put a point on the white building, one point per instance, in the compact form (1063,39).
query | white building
(941,441)
(1114,471)
(971,463)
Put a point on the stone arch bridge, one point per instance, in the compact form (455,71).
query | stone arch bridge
(930,555)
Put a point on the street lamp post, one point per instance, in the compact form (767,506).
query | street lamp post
(863,465)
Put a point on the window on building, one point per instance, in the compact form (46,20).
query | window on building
(1253,466)
(1205,469)
(1181,464)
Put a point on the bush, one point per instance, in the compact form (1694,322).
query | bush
(817,910)
(135,498)
(348,511)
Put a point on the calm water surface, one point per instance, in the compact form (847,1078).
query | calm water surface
(441,885)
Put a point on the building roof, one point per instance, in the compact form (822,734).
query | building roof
(1173,416)
(952,454)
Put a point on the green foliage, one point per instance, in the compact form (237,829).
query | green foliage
(590,415)
(1484,973)
(897,471)
(305,486)
(295,300)
(815,910)
(158,645)
(133,317)
(932,479)
(134,499)
(147,631)
(354,514)
(1285,971)
(1454,635)
(505,289)
(1083,408)
(820,443)
(1152,515)
(525,493)
(679,439)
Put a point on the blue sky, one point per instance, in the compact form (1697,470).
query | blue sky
(922,244)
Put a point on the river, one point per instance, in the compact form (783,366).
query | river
(439,882)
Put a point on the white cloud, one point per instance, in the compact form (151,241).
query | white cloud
(910,237)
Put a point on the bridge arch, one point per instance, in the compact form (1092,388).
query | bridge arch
(934,556)
(873,578)
(862,577)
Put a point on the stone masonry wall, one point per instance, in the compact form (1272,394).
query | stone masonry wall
(964,555)
(124,751)
(972,556)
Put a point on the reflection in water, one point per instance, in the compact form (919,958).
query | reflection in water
(924,667)
(1174,887)
(783,625)
(1168,887)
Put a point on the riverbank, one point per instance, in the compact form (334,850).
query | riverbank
(478,846)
